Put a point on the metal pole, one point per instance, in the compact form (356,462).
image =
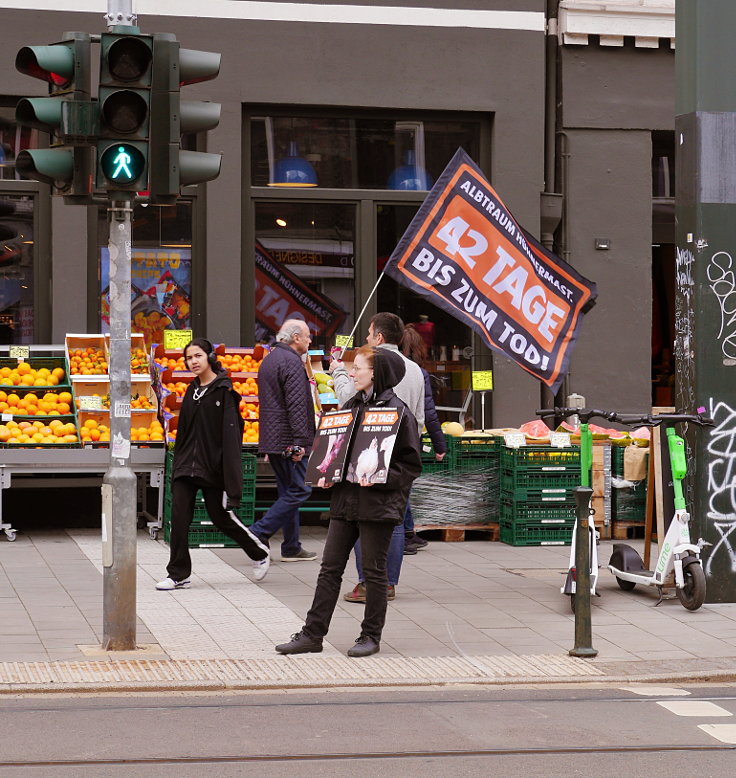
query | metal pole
(120,12)
(360,315)
(119,483)
(583,623)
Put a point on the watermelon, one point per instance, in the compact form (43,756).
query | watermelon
(535,430)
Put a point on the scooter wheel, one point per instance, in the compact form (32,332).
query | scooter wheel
(625,586)
(692,595)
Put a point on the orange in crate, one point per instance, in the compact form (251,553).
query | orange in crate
(247,388)
(87,361)
(154,432)
(25,376)
(250,432)
(30,433)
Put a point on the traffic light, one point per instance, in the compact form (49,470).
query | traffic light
(124,100)
(68,114)
(172,167)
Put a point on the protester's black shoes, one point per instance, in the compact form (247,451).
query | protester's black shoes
(364,646)
(300,644)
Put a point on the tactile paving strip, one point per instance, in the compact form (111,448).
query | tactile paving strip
(290,671)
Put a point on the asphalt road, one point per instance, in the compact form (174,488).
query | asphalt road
(509,732)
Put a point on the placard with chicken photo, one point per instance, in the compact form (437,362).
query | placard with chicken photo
(329,451)
(375,436)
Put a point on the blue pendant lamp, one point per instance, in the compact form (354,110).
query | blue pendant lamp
(410,176)
(293,170)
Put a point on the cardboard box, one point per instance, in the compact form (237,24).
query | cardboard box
(635,463)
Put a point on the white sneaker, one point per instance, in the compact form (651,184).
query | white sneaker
(260,568)
(169,583)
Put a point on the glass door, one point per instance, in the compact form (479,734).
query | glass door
(17,268)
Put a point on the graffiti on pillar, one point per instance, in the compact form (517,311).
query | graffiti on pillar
(722,281)
(722,483)
(685,328)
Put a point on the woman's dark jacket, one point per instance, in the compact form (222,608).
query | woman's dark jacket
(431,420)
(209,437)
(382,502)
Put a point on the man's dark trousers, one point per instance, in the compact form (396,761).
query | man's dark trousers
(284,513)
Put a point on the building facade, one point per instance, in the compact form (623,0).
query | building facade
(567,98)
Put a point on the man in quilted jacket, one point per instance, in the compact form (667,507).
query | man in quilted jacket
(286,433)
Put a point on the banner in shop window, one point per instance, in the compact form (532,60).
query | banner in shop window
(282,295)
(465,252)
(161,283)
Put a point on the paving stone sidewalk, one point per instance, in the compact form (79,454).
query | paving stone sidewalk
(473,611)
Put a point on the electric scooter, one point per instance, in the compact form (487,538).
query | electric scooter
(586,462)
(678,552)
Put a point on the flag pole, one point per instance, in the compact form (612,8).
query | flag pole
(360,315)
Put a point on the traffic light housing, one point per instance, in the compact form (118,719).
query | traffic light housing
(124,101)
(172,167)
(68,115)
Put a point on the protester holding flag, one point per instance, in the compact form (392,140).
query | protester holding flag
(413,346)
(364,510)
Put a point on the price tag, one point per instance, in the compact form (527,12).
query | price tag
(90,403)
(122,410)
(344,341)
(559,439)
(176,339)
(514,439)
(6,417)
(482,380)
(20,352)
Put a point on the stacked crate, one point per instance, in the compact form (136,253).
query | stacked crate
(202,532)
(628,501)
(537,500)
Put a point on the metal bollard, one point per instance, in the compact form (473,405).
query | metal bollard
(583,625)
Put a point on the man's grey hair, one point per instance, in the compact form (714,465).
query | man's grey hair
(289,329)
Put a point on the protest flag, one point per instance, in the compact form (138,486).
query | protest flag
(465,252)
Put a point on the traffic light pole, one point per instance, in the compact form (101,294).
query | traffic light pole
(119,520)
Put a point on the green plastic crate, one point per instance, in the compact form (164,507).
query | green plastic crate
(557,494)
(549,513)
(522,480)
(249,475)
(529,534)
(540,459)
(203,537)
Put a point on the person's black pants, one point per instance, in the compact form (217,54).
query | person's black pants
(375,537)
(183,493)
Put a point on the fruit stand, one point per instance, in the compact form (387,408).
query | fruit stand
(54,409)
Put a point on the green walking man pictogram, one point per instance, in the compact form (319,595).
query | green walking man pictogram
(122,160)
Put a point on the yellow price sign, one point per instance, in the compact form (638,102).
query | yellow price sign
(344,341)
(482,380)
(176,339)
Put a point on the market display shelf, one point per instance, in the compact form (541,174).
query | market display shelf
(8,365)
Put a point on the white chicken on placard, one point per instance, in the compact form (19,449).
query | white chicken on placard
(367,462)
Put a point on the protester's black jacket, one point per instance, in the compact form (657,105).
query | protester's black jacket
(209,437)
(287,407)
(382,502)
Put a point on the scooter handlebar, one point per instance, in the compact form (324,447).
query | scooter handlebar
(629,420)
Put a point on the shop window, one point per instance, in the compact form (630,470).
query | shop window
(305,268)
(161,271)
(16,268)
(663,164)
(447,340)
(356,153)
(13,139)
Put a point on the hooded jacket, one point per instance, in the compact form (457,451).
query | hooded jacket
(209,437)
(382,502)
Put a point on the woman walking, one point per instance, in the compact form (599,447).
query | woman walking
(207,456)
(366,511)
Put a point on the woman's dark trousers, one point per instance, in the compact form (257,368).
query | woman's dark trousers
(375,537)
(183,493)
